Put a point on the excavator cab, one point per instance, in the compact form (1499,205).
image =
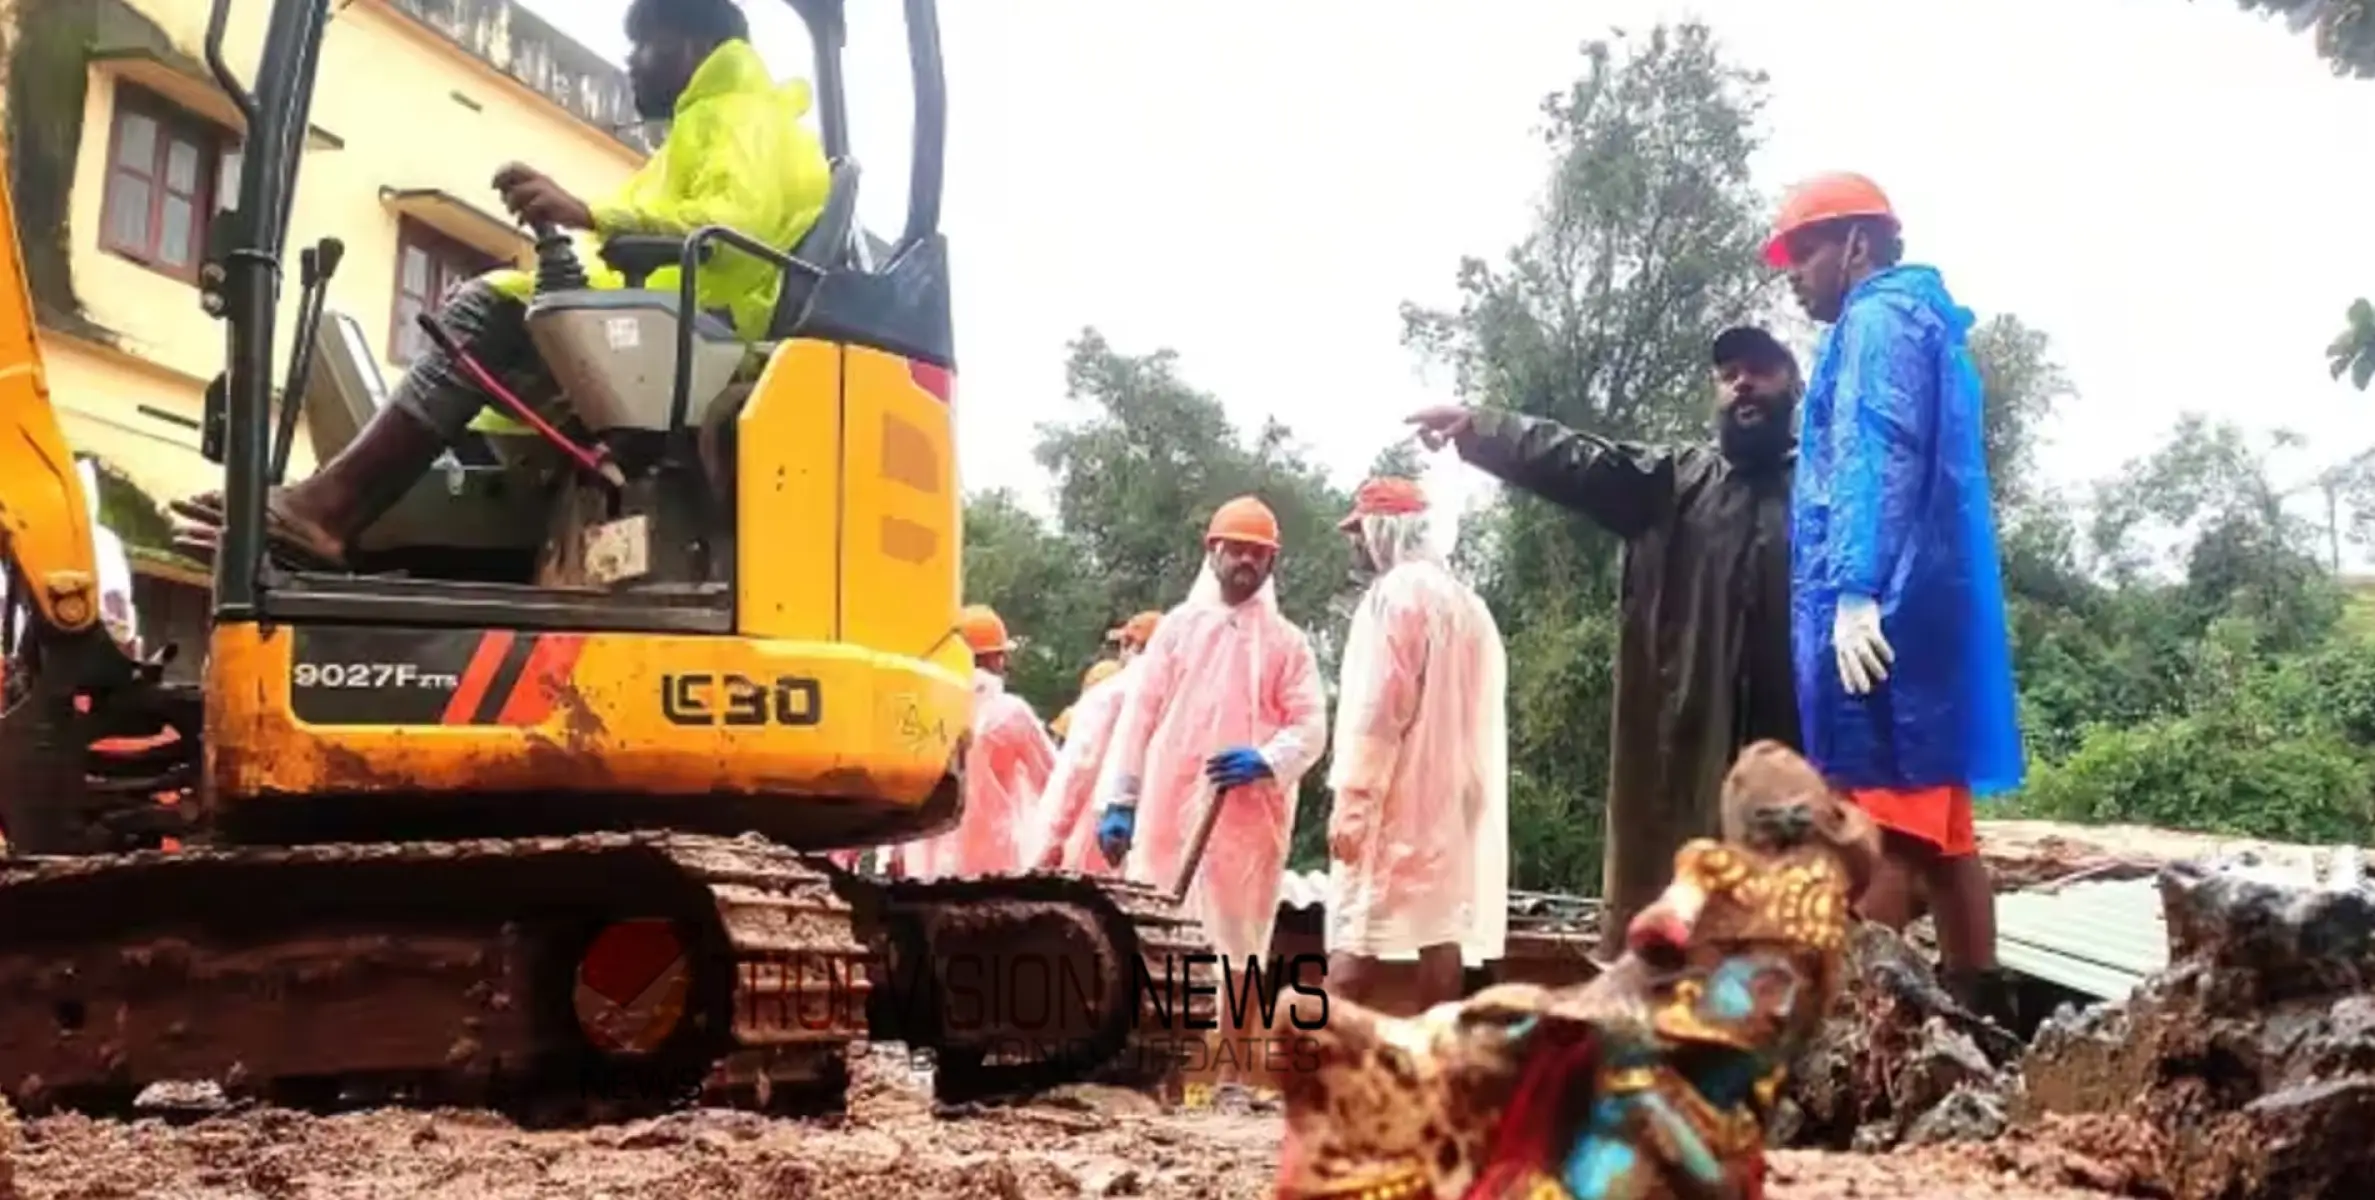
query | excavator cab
(469,832)
(718,594)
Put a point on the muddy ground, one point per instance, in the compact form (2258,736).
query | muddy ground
(2247,1068)
(894,1142)
(1046,1150)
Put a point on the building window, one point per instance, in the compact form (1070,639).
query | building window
(428,266)
(169,171)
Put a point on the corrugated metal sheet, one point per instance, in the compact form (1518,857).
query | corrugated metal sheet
(2100,938)
(1302,890)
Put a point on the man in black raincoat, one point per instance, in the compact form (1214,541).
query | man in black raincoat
(1703,654)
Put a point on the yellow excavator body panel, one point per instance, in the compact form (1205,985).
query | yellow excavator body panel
(843,681)
(466,818)
(339,710)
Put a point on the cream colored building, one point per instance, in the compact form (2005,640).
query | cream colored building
(121,147)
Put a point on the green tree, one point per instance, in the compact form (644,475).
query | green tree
(2240,550)
(1399,460)
(2353,350)
(2206,682)
(1645,243)
(1138,473)
(1053,607)
(2023,384)
(2343,30)
(2344,33)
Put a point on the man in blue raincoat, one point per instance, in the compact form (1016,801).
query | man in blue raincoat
(1902,655)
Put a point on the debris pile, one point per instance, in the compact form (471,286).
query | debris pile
(2252,1056)
(2247,1067)
(1900,1062)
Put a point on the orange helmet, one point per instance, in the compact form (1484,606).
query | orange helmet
(1138,630)
(1828,197)
(1384,497)
(984,630)
(1244,519)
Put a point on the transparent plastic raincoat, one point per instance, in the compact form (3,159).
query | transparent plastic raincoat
(1005,769)
(1421,769)
(1068,825)
(1215,678)
(736,155)
(1891,501)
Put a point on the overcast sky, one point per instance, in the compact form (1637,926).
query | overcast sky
(2173,190)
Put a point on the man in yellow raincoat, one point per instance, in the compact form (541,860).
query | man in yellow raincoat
(736,155)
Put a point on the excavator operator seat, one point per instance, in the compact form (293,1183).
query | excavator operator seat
(614,352)
(614,355)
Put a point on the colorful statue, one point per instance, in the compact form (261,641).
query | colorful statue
(1655,1079)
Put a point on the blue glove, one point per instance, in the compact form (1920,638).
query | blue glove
(1236,768)
(1113,832)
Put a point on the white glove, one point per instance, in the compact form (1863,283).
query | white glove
(1864,655)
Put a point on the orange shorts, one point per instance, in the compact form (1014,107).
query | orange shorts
(1940,816)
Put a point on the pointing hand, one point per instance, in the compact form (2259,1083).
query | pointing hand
(1442,425)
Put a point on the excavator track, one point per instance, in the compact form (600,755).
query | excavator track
(600,971)
(457,972)
(1021,982)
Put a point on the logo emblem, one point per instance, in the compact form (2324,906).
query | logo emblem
(631,986)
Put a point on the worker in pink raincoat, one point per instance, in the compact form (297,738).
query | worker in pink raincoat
(1226,705)
(1418,838)
(1005,768)
(1069,831)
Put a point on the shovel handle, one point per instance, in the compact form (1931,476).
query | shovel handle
(1197,844)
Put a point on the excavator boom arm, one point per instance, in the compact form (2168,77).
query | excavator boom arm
(45,523)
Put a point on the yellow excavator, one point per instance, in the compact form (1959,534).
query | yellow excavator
(560,818)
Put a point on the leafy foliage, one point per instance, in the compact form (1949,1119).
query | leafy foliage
(2353,350)
(2194,669)
(2184,655)
(2344,34)
(2342,30)
(1645,244)
(1137,474)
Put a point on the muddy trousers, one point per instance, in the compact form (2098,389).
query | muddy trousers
(492,328)
(431,409)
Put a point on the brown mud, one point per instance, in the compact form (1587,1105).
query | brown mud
(2252,1058)
(1074,1146)
(2247,1068)
(895,1141)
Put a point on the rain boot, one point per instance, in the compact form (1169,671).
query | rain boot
(1992,993)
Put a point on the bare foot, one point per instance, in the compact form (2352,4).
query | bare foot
(198,531)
